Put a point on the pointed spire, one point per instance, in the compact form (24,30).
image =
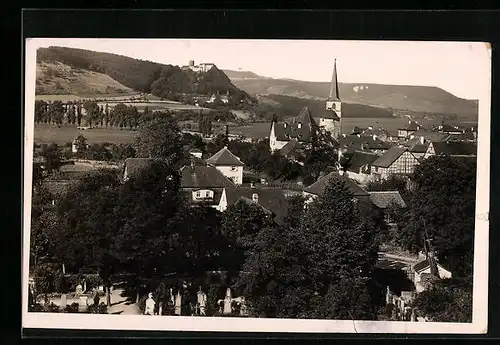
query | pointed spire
(334,86)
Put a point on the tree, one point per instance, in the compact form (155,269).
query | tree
(318,265)
(71,114)
(446,301)
(93,112)
(52,156)
(442,208)
(40,111)
(392,183)
(160,138)
(79,114)
(81,146)
(320,155)
(56,112)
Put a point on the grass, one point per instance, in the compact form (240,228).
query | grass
(45,134)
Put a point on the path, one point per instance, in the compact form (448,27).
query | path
(121,306)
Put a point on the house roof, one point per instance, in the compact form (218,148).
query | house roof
(389,157)
(271,200)
(203,177)
(195,150)
(430,135)
(224,157)
(384,199)
(355,142)
(412,126)
(455,148)
(318,187)
(290,147)
(286,131)
(462,136)
(379,131)
(448,128)
(415,145)
(360,159)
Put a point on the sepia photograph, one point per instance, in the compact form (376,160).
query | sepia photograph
(314,186)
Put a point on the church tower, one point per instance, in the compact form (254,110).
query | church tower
(331,120)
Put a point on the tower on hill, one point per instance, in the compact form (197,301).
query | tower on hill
(331,120)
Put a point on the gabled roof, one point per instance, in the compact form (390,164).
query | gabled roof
(455,148)
(224,157)
(462,136)
(389,157)
(271,200)
(318,187)
(414,145)
(305,117)
(379,131)
(203,177)
(448,128)
(290,147)
(360,159)
(386,198)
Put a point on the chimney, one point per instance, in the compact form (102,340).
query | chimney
(255,197)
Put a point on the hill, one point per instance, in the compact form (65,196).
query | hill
(288,106)
(56,78)
(425,99)
(166,81)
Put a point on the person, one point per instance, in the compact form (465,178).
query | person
(150,305)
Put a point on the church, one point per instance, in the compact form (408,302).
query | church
(299,129)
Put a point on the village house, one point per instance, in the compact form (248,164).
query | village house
(299,128)
(448,129)
(397,160)
(272,201)
(428,136)
(452,149)
(223,98)
(423,275)
(376,133)
(359,166)
(408,130)
(196,153)
(204,184)
(292,151)
(228,164)
(417,146)
(317,188)
(357,142)
(384,200)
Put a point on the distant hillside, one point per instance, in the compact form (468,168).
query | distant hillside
(413,98)
(237,75)
(59,79)
(287,106)
(161,80)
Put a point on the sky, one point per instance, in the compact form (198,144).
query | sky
(457,67)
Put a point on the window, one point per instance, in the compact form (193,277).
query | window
(207,194)
(299,125)
(198,194)
(233,168)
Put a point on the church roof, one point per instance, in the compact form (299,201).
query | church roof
(224,157)
(320,185)
(334,85)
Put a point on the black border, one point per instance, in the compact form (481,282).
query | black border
(281,24)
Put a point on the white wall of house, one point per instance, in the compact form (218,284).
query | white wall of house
(331,126)
(234,173)
(405,164)
(359,177)
(275,144)
(430,151)
(223,202)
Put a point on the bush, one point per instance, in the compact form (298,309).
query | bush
(73,308)
(52,308)
(97,309)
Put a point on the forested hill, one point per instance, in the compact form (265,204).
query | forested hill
(158,79)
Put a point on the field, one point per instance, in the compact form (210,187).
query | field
(45,134)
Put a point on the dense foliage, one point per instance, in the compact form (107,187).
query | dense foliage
(166,81)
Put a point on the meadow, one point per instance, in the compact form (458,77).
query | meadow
(46,134)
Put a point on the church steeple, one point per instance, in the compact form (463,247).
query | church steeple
(334,86)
